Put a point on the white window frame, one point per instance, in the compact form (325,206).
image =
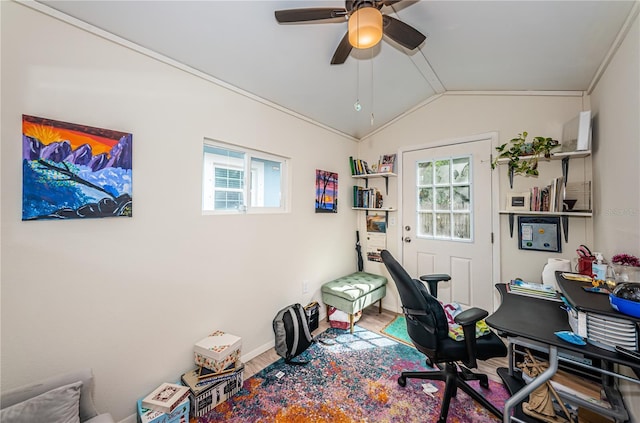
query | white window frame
(451,185)
(253,180)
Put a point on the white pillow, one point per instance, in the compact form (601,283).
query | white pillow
(60,405)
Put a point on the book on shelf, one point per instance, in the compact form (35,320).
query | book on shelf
(548,198)
(366,197)
(530,289)
(359,167)
(166,397)
(386,164)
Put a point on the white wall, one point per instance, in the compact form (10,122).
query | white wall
(460,115)
(128,297)
(616,105)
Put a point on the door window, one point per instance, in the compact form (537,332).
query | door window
(443,191)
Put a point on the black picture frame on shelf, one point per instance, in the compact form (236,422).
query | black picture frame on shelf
(539,233)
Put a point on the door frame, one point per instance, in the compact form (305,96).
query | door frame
(495,199)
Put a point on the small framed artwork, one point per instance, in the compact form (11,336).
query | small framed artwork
(326,191)
(518,201)
(386,168)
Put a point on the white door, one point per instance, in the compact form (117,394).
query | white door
(447,219)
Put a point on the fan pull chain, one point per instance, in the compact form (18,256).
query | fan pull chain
(357,106)
(372,117)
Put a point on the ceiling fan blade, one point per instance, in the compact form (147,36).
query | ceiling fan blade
(342,52)
(400,32)
(308,14)
(389,2)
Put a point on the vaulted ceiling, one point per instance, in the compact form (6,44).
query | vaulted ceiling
(470,46)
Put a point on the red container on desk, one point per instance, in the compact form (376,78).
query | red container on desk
(584,265)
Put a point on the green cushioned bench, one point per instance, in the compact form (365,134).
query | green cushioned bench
(354,292)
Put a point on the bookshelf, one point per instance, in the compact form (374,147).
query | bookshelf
(559,210)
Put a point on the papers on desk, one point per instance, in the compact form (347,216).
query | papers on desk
(535,290)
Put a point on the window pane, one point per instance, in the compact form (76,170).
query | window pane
(425,173)
(266,180)
(235,178)
(461,170)
(443,225)
(228,200)
(229,178)
(443,190)
(443,199)
(425,224)
(461,199)
(462,226)
(442,172)
(426,198)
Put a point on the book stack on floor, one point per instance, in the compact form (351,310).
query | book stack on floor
(219,374)
(169,403)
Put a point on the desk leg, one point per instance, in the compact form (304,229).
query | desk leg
(523,393)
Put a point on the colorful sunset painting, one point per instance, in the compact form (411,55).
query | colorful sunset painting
(326,192)
(74,171)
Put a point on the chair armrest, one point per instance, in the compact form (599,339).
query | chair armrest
(470,316)
(468,319)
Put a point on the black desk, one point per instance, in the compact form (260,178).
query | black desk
(531,322)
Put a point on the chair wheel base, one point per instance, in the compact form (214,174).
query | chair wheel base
(484,384)
(402,381)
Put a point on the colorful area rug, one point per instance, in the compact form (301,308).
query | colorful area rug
(397,329)
(352,379)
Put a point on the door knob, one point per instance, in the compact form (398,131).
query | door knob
(407,239)
(407,228)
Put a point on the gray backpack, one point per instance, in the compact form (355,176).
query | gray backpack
(292,333)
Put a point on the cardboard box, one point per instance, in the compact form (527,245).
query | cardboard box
(179,415)
(217,351)
(206,394)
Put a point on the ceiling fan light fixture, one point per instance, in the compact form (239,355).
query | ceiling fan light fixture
(365,27)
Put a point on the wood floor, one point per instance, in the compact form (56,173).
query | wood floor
(374,322)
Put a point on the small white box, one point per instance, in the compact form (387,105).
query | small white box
(217,351)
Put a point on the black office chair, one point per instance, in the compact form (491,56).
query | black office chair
(428,329)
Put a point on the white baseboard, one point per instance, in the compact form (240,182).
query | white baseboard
(257,351)
(131,419)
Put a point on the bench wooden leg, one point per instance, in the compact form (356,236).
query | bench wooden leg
(327,311)
(380,306)
(351,322)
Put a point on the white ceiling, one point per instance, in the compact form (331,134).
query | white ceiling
(470,46)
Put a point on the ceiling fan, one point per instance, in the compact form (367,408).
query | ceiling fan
(366,25)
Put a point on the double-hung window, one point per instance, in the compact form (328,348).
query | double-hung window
(237,179)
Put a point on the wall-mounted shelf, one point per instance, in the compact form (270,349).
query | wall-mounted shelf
(368,176)
(543,213)
(373,209)
(564,156)
(556,156)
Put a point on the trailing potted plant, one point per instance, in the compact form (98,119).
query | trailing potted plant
(523,155)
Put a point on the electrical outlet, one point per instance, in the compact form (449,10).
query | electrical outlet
(305,286)
(392,221)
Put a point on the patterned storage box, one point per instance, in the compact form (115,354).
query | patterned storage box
(206,394)
(217,351)
(179,415)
